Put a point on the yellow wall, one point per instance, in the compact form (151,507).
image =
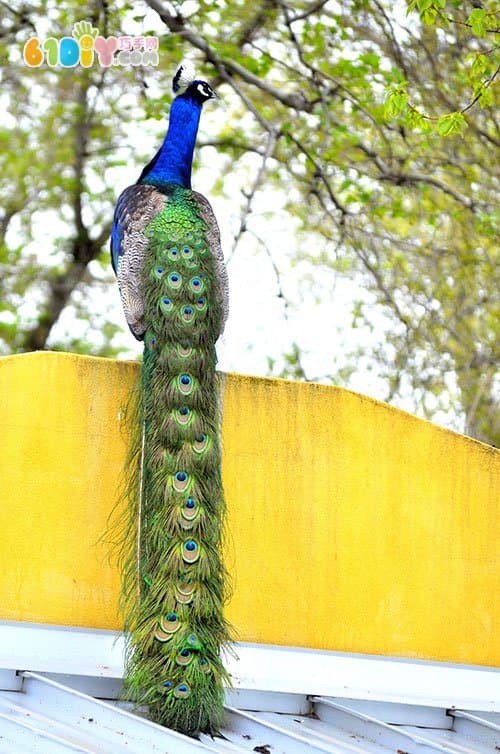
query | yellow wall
(353,526)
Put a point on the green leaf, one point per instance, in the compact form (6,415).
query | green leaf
(424,5)
(396,101)
(429,16)
(371,59)
(486,97)
(477,20)
(416,120)
(480,65)
(451,124)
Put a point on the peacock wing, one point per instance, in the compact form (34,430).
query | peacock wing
(213,239)
(135,209)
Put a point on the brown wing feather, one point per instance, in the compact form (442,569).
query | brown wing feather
(135,209)
(213,237)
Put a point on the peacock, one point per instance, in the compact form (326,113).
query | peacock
(167,257)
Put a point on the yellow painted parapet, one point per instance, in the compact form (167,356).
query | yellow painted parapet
(353,526)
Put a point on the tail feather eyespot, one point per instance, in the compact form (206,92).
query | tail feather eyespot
(158,272)
(184,350)
(181,481)
(204,665)
(196,284)
(187,314)
(201,304)
(166,304)
(201,443)
(174,281)
(170,623)
(182,691)
(184,416)
(184,592)
(190,551)
(184,657)
(166,686)
(185,384)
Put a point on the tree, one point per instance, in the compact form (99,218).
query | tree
(64,129)
(382,129)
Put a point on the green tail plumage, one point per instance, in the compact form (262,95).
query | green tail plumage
(174,580)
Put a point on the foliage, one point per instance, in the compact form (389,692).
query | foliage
(481,71)
(379,124)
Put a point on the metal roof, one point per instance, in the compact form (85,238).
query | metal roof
(52,711)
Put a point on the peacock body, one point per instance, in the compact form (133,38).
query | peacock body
(167,257)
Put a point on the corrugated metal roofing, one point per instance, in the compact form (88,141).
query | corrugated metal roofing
(50,718)
(278,705)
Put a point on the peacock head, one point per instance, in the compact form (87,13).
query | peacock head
(200,91)
(194,89)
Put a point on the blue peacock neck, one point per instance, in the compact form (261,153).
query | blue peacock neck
(173,162)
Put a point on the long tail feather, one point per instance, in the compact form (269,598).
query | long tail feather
(174,595)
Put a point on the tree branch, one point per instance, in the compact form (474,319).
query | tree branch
(176,25)
(271,143)
(83,248)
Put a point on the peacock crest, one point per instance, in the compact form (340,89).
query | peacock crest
(184,76)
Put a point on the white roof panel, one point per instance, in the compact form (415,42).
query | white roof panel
(276,707)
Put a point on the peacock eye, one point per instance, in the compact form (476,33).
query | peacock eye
(158,272)
(204,665)
(181,481)
(196,284)
(169,624)
(201,443)
(187,314)
(190,551)
(166,305)
(189,513)
(184,657)
(183,415)
(182,691)
(174,280)
(184,349)
(185,383)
